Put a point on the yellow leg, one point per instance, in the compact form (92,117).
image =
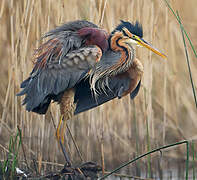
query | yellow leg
(59,127)
(60,138)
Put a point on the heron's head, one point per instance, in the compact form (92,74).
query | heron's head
(131,35)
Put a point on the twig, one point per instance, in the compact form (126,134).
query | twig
(52,120)
(43,162)
(23,149)
(78,169)
(103,12)
(102,158)
(75,144)
(5,149)
(35,166)
(51,163)
(61,145)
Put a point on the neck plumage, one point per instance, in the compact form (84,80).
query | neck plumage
(127,53)
(117,60)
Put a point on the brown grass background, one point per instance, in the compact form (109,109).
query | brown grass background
(164,111)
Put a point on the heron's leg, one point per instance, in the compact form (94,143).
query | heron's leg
(63,130)
(59,127)
(67,108)
(60,139)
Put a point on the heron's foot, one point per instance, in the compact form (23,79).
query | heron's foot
(88,170)
(83,171)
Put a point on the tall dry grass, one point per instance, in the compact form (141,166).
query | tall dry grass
(162,113)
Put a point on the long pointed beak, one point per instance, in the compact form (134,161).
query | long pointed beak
(143,43)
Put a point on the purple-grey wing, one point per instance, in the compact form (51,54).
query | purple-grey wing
(85,100)
(107,88)
(67,35)
(48,82)
(60,63)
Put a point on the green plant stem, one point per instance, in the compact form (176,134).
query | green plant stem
(193,162)
(9,165)
(148,148)
(153,151)
(187,58)
(187,162)
(136,136)
(194,51)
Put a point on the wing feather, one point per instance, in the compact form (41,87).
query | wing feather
(55,77)
(85,99)
(60,63)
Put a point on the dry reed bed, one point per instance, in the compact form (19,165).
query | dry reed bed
(164,105)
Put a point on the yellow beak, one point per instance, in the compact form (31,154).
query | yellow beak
(143,43)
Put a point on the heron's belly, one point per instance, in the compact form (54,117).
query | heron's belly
(67,105)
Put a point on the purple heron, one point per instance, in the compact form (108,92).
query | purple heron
(81,66)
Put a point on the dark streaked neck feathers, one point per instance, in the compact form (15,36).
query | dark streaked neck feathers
(103,71)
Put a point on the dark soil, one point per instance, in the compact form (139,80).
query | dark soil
(85,171)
